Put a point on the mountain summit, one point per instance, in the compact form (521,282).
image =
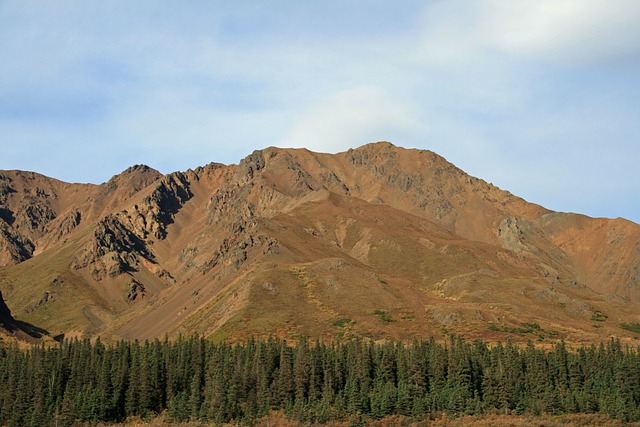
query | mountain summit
(377,241)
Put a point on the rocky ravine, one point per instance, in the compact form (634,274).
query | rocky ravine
(377,241)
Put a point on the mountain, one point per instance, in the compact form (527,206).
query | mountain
(377,241)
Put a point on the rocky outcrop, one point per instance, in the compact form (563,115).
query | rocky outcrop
(514,234)
(6,214)
(151,217)
(24,216)
(251,165)
(136,291)
(32,216)
(163,203)
(44,298)
(14,248)
(378,158)
(65,225)
(120,239)
(432,187)
(234,250)
(114,250)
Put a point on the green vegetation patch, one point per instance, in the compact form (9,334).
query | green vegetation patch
(383,316)
(341,323)
(633,327)
(598,316)
(532,326)
(525,328)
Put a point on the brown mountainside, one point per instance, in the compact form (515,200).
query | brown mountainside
(377,241)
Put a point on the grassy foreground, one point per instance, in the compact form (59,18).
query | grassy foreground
(277,418)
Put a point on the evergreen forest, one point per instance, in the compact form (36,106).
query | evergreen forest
(196,379)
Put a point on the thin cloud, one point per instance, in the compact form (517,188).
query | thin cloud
(563,31)
(516,92)
(363,113)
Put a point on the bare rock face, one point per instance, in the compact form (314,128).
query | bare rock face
(114,250)
(33,210)
(67,224)
(121,239)
(32,216)
(234,250)
(156,212)
(136,291)
(24,216)
(513,234)
(251,165)
(6,215)
(14,248)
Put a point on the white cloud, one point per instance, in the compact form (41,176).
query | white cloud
(350,118)
(563,31)
(493,85)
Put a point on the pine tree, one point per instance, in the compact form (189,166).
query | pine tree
(495,393)
(383,398)
(552,402)
(302,371)
(132,394)
(195,396)
(283,385)
(215,398)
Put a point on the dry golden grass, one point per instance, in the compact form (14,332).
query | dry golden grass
(278,419)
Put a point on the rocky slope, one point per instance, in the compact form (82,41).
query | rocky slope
(377,241)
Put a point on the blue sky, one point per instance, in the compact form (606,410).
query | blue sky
(540,97)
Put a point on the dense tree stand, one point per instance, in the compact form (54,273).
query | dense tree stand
(195,379)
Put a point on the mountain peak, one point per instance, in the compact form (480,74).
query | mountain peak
(377,241)
(140,169)
(378,144)
(132,179)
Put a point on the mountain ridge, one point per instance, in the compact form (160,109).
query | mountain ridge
(279,242)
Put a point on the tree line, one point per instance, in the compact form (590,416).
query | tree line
(196,379)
